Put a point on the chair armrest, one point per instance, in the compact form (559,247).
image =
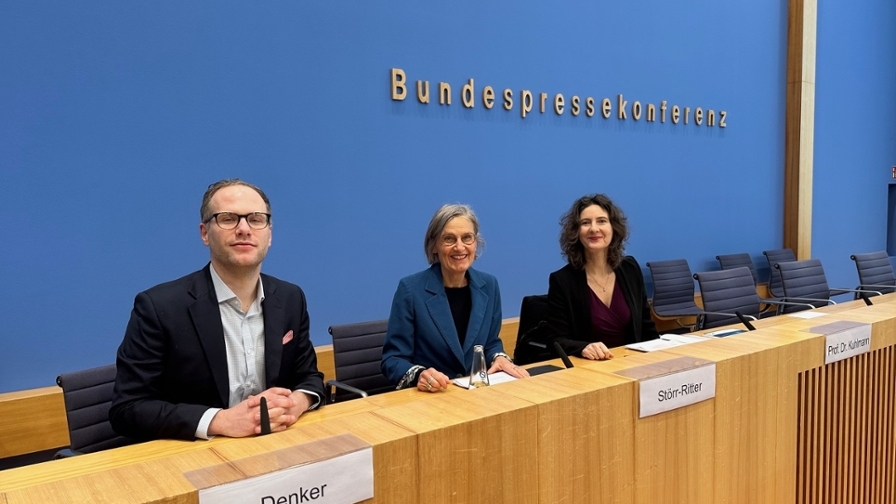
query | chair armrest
(789,303)
(877,286)
(838,291)
(798,301)
(331,395)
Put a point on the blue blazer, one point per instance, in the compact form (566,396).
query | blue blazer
(421,329)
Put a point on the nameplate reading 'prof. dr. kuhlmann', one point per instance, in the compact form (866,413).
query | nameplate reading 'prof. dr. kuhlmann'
(844,339)
(337,470)
(672,384)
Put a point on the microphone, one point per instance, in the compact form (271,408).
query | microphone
(532,330)
(265,419)
(865,299)
(562,354)
(745,321)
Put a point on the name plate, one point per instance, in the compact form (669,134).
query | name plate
(672,384)
(844,339)
(336,470)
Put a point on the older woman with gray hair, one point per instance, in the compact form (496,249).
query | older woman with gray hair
(441,313)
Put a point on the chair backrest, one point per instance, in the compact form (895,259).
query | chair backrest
(875,269)
(357,353)
(731,261)
(727,291)
(533,311)
(774,276)
(88,397)
(673,286)
(803,280)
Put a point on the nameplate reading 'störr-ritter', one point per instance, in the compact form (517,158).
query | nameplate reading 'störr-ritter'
(335,470)
(672,384)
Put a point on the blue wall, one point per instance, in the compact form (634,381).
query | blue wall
(855,132)
(114,117)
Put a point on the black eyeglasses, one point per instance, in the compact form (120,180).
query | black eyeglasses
(230,220)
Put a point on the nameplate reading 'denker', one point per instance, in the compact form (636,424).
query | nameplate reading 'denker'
(672,384)
(337,470)
(844,339)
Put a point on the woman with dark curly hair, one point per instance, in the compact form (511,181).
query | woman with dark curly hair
(597,301)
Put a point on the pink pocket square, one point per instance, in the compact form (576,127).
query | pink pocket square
(287,337)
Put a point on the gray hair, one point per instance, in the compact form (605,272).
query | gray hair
(437,224)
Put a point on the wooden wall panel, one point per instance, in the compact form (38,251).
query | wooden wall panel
(799,126)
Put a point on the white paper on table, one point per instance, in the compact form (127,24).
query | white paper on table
(808,314)
(665,341)
(493,379)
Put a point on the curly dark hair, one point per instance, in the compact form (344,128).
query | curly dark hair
(571,247)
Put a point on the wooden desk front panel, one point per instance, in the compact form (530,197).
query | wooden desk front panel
(846,433)
(472,446)
(585,435)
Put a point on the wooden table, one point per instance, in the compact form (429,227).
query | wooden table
(782,428)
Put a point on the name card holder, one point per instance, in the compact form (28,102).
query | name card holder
(672,384)
(844,339)
(335,470)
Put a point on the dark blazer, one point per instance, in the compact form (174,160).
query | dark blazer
(421,329)
(569,308)
(172,364)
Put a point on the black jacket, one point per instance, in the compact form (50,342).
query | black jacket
(569,309)
(172,364)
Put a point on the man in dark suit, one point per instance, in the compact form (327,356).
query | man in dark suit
(199,352)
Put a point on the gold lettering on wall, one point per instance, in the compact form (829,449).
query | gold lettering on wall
(525,102)
(488,97)
(423,91)
(466,94)
(444,93)
(399,90)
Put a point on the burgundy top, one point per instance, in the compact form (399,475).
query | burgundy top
(610,322)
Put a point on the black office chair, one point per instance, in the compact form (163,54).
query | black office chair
(673,291)
(875,272)
(88,397)
(357,353)
(731,261)
(774,276)
(726,292)
(532,335)
(805,283)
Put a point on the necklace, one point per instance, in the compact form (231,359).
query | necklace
(603,286)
